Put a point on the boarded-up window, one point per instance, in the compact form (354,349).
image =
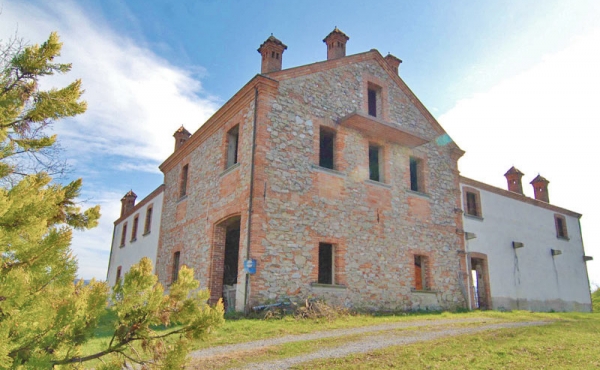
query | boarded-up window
(183,181)
(420,263)
(134,229)
(561,226)
(148,222)
(232,146)
(472,204)
(326,264)
(123,234)
(175,271)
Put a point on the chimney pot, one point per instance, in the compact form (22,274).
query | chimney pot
(336,44)
(272,54)
(128,202)
(181,136)
(513,178)
(540,188)
(393,62)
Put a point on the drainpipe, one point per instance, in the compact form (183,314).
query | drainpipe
(249,228)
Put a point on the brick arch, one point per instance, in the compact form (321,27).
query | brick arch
(217,264)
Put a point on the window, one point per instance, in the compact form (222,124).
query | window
(421,282)
(561,226)
(374,101)
(326,147)
(326,264)
(183,181)
(232,146)
(123,234)
(375,163)
(148,222)
(134,229)
(416,175)
(118,275)
(472,202)
(175,271)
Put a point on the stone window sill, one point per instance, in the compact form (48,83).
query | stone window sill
(146,233)
(182,198)
(418,194)
(327,286)
(473,217)
(328,171)
(122,246)
(230,169)
(378,183)
(133,240)
(565,238)
(413,290)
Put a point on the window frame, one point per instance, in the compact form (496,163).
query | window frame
(374,102)
(134,228)
(175,266)
(561,232)
(183,180)
(118,277)
(332,133)
(425,284)
(416,172)
(467,209)
(232,145)
(148,220)
(375,148)
(331,278)
(123,234)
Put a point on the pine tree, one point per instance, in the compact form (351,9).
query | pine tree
(44,317)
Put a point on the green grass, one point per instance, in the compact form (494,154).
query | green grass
(571,342)
(244,330)
(596,300)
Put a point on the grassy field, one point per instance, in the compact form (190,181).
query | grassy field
(570,341)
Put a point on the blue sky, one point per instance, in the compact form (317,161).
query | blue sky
(513,82)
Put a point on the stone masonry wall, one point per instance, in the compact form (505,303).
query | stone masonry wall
(214,194)
(376,227)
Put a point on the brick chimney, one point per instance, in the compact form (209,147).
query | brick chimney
(393,62)
(128,202)
(513,177)
(181,136)
(540,188)
(272,55)
(336,44)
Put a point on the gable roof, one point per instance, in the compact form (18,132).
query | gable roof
(374,55)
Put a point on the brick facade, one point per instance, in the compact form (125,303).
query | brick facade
(375,227)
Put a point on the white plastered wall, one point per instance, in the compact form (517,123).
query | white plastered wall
(528,278)
(145,245)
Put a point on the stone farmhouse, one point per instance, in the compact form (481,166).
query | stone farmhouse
(332,180)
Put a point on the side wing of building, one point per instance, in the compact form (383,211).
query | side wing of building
(136,235)
(524,253)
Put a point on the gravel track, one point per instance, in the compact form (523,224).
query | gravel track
(247,346)
(376,342)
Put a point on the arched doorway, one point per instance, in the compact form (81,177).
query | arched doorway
(224,263)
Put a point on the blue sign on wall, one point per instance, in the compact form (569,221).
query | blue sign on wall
(250,266)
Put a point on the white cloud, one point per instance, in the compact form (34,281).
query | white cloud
(541,121)
(136,99)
